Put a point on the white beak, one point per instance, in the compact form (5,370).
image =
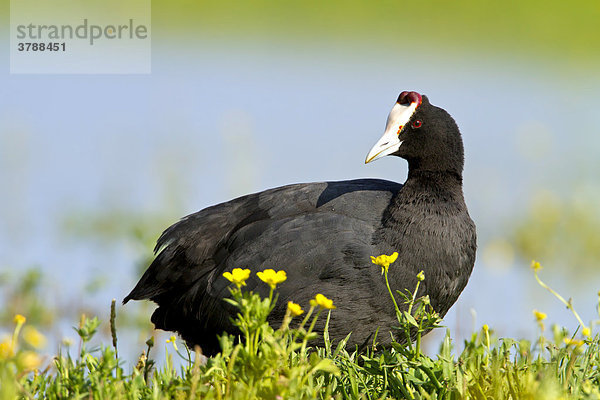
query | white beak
(390,141)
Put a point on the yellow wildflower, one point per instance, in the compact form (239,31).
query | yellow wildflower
(421,276)
(384,261)
(238,276)
(29,360)
(535,265)
(173,340)
(586,332)
(6,349)
(33,337)
(322,302)
(574,342)
(486,328)
(271,277)
(294,308)
(19,319)
(539,316)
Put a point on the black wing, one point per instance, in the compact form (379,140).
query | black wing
(319,233)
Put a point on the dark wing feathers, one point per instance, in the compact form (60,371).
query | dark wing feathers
(310,230)
(186,249)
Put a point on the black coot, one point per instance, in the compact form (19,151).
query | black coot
(323,235)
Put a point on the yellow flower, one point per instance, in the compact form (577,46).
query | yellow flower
(6,349)
(421,276)
(294,308)
(486,328)
(271,277)
(33,337)
(322,302)
(173,340)
(539,316)
(238,276)
(19,319)
(29,360)
(535,265)
(384,261)
(574,342)
(586,332)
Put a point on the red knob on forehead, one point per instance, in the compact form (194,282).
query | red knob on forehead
(409,98)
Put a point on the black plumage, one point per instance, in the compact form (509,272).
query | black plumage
(322,235)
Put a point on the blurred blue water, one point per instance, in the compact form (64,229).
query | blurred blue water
(224,119)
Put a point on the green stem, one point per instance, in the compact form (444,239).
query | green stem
(559,297)
(304,321)
(387,283)
(414,297)
(487,345)
(431,376)
(230,365)
(542,338)
(418,344)
(310,328)
(569,371)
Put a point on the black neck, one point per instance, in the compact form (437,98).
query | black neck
(432,189)
(426,193)
(444,178)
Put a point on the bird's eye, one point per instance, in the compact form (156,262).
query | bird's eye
(417,124)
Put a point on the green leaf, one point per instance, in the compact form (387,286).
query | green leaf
(411,320)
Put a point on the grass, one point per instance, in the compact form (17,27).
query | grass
(284,362)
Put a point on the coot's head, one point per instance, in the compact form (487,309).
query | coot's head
(423,134)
